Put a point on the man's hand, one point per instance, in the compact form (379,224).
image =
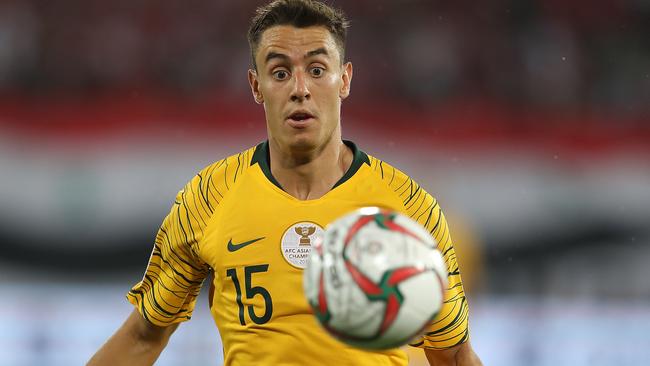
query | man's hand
(137,342)
(461,355)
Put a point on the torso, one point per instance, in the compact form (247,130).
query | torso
(233,219)
(272,324)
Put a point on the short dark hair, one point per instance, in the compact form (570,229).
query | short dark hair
(300,14)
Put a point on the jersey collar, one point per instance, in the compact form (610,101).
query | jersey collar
(262,157)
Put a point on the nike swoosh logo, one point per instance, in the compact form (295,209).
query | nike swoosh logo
(234,247)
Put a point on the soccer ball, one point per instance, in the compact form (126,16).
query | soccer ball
(376,279)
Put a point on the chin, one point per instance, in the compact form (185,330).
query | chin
(302,144)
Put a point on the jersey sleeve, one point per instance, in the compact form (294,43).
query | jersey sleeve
(175,273)
(450,327)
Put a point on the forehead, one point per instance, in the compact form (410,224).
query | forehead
(291,40)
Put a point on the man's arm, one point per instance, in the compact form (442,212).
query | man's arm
(461,355)
(137,342)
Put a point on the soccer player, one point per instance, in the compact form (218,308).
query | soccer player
(247,219)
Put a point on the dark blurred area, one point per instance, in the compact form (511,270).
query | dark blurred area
(528,54)
(528,120)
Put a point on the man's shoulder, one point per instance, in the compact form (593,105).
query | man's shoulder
(403,186)
(229,168)
(216,179)
(388,172)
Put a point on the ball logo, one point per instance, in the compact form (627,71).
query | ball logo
(297,242)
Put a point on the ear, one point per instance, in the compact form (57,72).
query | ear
(347,80)
(255,86)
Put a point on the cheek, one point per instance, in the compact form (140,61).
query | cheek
(328,92)
(271,95)
(334,81)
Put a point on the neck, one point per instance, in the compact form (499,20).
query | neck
(310,174)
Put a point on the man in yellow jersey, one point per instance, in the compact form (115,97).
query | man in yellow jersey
(247,219)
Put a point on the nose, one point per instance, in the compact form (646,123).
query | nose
(300,90)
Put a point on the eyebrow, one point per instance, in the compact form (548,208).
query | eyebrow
(273,55)
(318,51)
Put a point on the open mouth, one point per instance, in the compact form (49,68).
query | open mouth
(300,116)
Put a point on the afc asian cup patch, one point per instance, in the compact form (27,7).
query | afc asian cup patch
(297,242)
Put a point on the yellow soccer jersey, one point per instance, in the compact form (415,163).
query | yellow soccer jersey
(233,220)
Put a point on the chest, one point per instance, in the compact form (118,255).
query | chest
(258,243)
(257,223)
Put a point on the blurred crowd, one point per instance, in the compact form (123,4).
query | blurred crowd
(532,53)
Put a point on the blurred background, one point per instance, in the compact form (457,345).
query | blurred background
(528,120)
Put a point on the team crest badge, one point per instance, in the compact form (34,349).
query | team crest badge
(297,242)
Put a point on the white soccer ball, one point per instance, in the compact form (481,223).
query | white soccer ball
(376,279)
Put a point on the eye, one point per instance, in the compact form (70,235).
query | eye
(280,74)
(317,71)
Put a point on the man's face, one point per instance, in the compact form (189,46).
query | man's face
(301,82)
